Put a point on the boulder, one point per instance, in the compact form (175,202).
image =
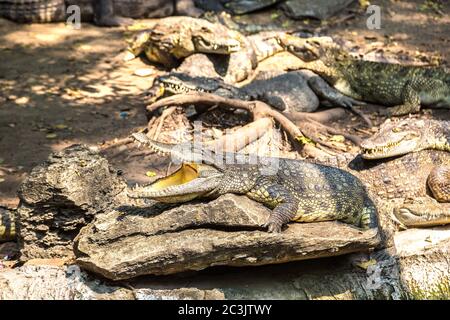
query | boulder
(62,195)
(317,9)
(130,241)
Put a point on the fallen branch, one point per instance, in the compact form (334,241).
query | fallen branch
(258,109)
(242,137)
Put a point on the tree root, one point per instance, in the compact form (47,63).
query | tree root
(260,110)
(311,123)
(239,139)
(257,109)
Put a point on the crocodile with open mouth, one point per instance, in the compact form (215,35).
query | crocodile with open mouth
(286,92)
(403,88)
(295,190)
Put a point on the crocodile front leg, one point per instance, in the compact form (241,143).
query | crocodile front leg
(282,201)
(325,92)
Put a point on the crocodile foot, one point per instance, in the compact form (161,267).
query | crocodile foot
(273,226)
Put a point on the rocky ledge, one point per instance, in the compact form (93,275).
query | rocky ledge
(130,241)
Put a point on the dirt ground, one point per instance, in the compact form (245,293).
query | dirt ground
(61,86)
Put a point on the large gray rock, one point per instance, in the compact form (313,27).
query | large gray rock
(47,282)
(318,9)
(62,195)
(129,242)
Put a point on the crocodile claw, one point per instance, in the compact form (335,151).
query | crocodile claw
(272,226)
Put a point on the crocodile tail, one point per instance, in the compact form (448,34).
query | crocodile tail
(7,225)
(30,11)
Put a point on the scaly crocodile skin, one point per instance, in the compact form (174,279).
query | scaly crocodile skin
(404,88)
(295,190)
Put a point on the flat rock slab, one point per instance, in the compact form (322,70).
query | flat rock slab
(131,241)
(50,282)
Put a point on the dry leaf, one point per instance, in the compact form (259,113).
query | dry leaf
(150,174)
(337,138)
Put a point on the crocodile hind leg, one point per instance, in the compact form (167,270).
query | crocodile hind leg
(104,14)
(439,183)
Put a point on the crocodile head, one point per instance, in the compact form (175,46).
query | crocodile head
(206,40)
(179,83)
(202,173)
(396,138)
(164,43)
(190,181)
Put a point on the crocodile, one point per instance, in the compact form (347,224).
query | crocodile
(296,190)
(235,68)
(426,172)
(233,55)
(286,92)
(236,6)
(102,12)
(410,190)
(295,9)
(174,38)
(402,88)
